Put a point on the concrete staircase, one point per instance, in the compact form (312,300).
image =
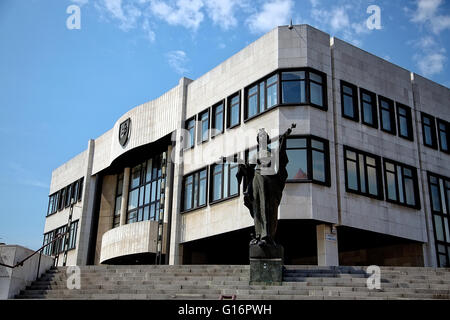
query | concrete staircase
(212,281)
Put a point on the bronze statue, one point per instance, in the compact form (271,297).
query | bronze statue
(263,186)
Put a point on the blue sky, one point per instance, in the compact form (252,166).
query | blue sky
(61,87)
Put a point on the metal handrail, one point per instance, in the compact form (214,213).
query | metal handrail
(20,263)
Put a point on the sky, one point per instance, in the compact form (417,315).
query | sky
(63,82)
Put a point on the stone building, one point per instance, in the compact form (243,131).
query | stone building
(369,169)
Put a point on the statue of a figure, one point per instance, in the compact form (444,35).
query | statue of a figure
(263,186)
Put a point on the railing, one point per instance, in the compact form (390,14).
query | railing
(20,263)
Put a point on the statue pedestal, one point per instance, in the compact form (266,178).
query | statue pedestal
(266,264)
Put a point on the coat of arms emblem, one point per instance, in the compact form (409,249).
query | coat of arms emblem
(124,132)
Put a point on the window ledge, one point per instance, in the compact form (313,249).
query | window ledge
(193,209)
(224,199)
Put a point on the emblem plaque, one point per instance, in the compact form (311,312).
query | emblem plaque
(124,132)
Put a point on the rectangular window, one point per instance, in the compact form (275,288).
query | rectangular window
(217,119)
(443,134)
(401,184)
(349,101)
(261,96)
(387,115)
(203,129)
(362,173)
(190,132)
(429,131)
(118,201)
(145,190)
(439,191)
(223,180)
(404,122)
(234,110)
(368,108)
(194,190)
(308,159)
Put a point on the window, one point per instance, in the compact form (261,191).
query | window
(349,101)
(217,119)
(439,190)
(362,173)
(118,201)
(145,191)
(234,110)
(58,246)
(203,126)
(387,115)
(52,203)
(303,87)
(223,181)
(443,134)
(429,131)
(308,160)
(368,108)
(261,96)
(401,184)
(404,122)
(190,128)
(194,190)
(64,197)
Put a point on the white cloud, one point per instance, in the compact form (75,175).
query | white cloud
(80,2)
(431,63)
(273,13)
(314,3)
(339,19)
(221,12)
(427,13)
(127,14)
(150,34)
(186,13)
(177,60)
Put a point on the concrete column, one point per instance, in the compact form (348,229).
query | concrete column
(126,188)
(327,246)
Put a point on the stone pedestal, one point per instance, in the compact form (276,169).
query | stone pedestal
(266,264)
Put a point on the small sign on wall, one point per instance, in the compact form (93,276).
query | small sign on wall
(330,237)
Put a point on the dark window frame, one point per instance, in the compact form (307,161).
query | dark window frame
(187,127)
(309,159)
(415,179)
(58,246)
(378,168)
(211,185)
(230,106)
(279,103)
(446,132)
(120,177)
(200,138)
(391,111)
(374,110)
(214,115)
(193,173)
(432,126)
(354,96)
(440,214)
(408,118)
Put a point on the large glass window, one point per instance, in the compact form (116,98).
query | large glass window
(190,128)
(443,134)
(145,191)
(223,181)
(64,197)
(303,87)
(203,126)
(368,108)
(261,96)
(217,118)
(439,190)
(349,101)
(234,110)
(401,184)
(404,121)
(58,245)
(362,173)
(429,131)
(194,190)
(118,201)
(308,159)
(387,115)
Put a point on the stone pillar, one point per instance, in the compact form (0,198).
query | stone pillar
(327,246)
(126,188)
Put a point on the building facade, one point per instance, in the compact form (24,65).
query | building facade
(369,164)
